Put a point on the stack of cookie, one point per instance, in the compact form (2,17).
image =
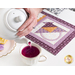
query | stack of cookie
(2,42)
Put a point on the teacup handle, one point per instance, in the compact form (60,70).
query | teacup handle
(42,60)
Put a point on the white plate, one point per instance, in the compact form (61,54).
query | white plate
(8,47)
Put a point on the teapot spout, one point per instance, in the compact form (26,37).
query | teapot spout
(21,40)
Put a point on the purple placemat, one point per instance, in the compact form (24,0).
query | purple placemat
(52,33)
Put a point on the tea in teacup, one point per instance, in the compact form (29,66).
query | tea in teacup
(30,51)
(30,54)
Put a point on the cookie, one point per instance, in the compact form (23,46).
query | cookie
(3,41)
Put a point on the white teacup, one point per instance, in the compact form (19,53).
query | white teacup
(32,60)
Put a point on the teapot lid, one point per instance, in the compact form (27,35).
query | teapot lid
(15,18)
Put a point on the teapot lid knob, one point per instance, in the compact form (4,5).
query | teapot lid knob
(18,19)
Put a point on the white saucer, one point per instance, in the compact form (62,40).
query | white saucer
(8,47)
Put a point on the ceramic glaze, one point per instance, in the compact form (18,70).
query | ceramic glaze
(10,21)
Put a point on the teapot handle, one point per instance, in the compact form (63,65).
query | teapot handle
(21,40)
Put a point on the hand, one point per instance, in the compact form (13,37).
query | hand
(27,27)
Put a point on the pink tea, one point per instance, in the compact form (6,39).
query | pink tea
(30,51)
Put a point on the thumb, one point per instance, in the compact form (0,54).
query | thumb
(27,10)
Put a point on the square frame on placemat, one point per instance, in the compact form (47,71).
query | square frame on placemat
(52,33)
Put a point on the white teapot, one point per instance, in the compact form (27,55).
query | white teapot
(10,21)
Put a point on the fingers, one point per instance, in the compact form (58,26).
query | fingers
(28,29)
(26,23)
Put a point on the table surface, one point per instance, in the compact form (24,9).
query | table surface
(13,59)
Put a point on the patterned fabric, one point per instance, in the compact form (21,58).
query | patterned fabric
(57,11)
(73,9)
(56,39)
